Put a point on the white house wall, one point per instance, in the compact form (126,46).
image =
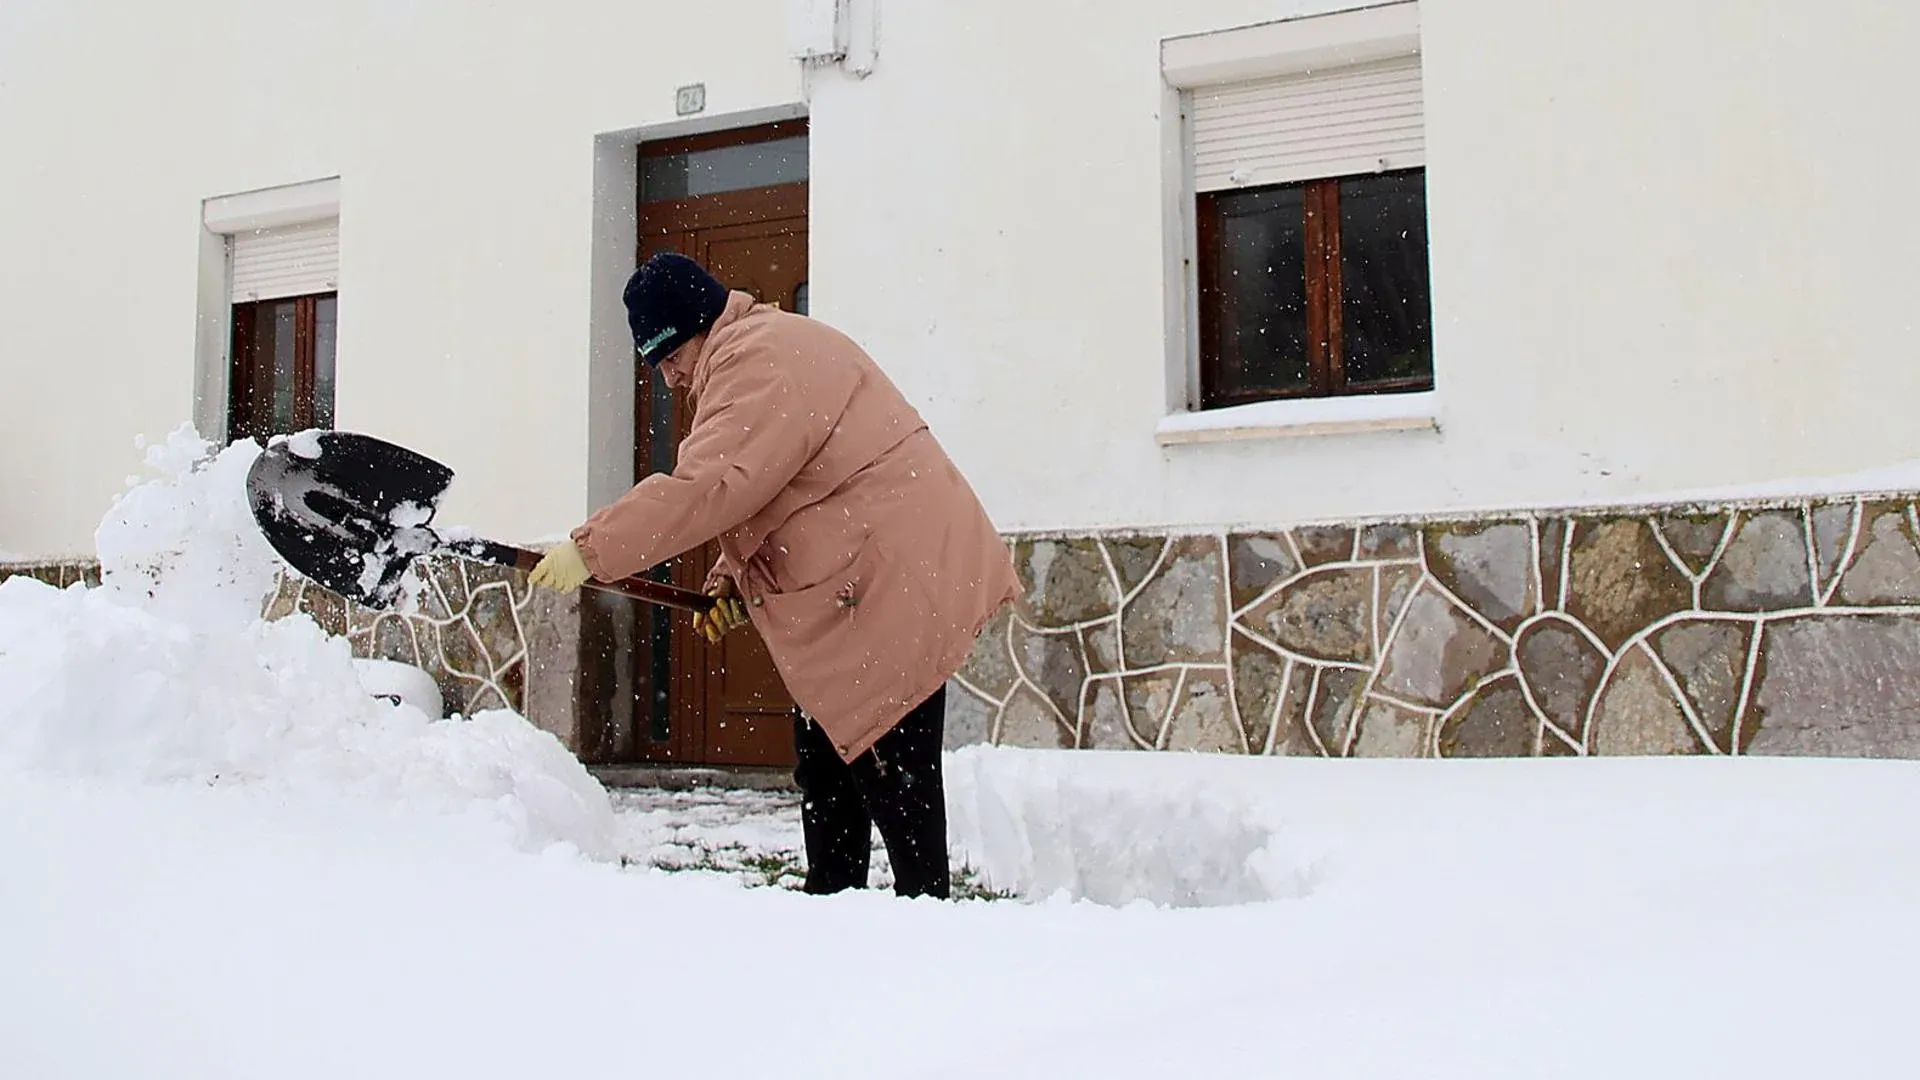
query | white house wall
(1669,248)
(463,135)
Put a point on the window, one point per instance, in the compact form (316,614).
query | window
(1315,289)
(1308,200)
(283,354)
(285,317)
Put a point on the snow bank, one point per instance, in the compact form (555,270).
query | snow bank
(167,673)
(1083,824)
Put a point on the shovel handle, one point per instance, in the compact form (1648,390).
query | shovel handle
(639,588)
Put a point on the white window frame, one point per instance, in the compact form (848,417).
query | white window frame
(221,218)
(1355,36)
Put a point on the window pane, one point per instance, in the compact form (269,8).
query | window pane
(325,324)
(1262,281)
(726,168)
(661,449)
(282,338)
(1386,320)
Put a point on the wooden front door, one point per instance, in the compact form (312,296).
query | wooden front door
(723,704)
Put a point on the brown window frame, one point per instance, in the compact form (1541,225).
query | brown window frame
(241,366)
(1326,350)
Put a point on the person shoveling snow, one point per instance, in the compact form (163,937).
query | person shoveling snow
(848,538)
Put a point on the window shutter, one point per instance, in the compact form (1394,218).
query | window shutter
(1350,120)
(290,261)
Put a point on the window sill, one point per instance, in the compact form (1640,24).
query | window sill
(1291,419)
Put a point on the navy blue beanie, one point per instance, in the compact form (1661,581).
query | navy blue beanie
(670,300)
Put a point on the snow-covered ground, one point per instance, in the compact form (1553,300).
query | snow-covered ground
(1545,919)
(222,857)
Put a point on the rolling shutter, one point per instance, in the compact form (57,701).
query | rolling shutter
(290,261)
(1343,121)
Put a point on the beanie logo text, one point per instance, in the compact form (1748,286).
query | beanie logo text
(652,343)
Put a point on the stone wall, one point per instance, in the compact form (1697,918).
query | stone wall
(470,631)
(58,574)
(1766,628)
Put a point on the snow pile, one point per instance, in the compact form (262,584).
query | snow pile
(167,673)
(1045,823)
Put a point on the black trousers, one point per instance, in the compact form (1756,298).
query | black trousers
(895,785)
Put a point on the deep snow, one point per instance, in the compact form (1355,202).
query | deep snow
(168,673)
(221,856)
(1576,919)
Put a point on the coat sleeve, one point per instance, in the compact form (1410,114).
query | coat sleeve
(751,435)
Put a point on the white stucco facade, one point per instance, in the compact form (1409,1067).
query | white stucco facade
(1668,248)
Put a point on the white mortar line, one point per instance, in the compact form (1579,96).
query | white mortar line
(1173,707)
(1113,575)
(1279,708)
(1539,579)
(1157,669)
(1282,584)
(1680,564)
(1540,714)
(1720,549)
(1046,698)
(1160,560)
(1646,632)
(1746,685)
(1393,633)
(1680,695)
(1566,563)
(1381,695)
(1373,617)
(1460,603)
(1291,654)
(1313,700)
(1080,733)
(1226,642)
(1813,554)
(1562,618)
(1040,631)
(1293,545)
(1352,734)
(967,685)
(1126,717)
(1119,615)
(1847,554)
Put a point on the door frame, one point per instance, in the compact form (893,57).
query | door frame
(674,225)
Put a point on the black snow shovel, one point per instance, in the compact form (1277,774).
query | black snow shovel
(351,513)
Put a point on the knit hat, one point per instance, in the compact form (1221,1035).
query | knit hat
(670,300)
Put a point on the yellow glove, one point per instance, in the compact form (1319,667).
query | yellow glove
(562,570)
(728,613)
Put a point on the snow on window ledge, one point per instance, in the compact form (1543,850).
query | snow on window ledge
(1316,416)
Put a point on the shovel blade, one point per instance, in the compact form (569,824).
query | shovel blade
(348,511)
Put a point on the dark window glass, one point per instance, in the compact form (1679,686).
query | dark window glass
(282,374)
(725,168)
(325,332)
(1262,292)
(1317,288)
(1386,321)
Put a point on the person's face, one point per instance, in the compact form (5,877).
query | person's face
(674,369)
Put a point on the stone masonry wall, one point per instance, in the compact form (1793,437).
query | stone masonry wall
(1780,628)
(470,632)
(1765,628)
